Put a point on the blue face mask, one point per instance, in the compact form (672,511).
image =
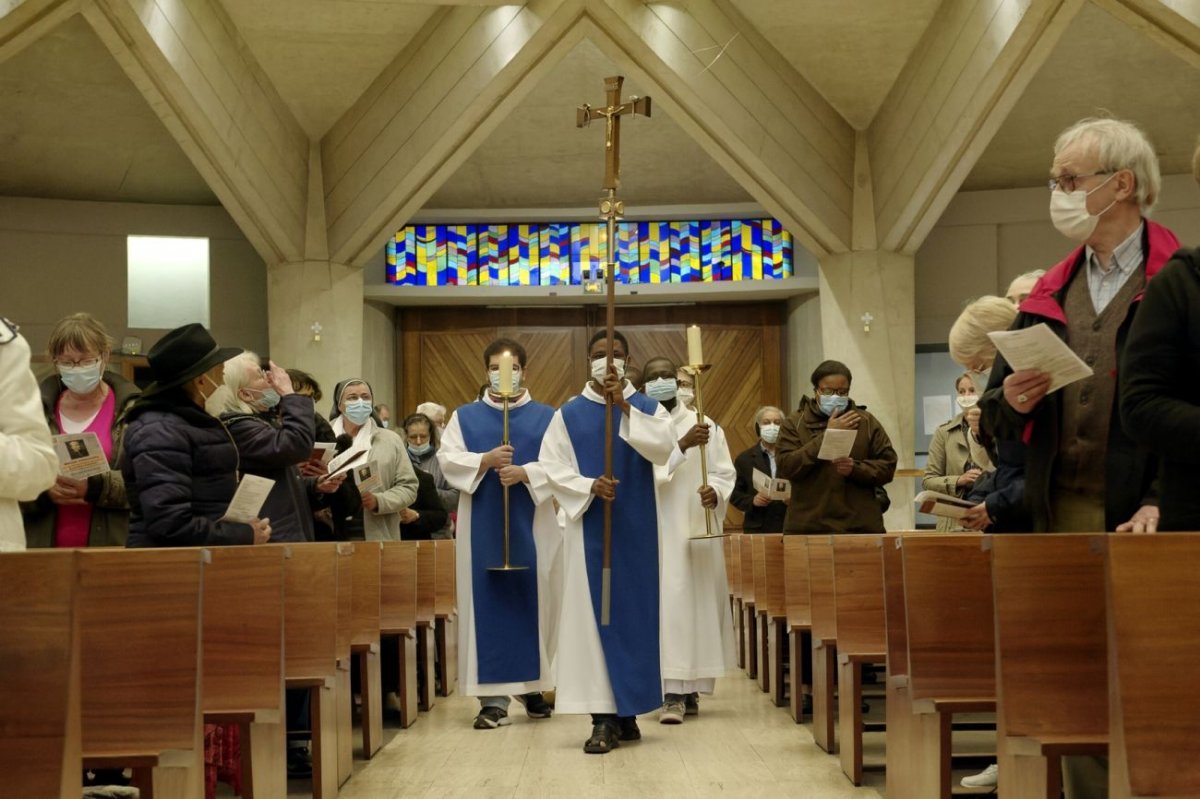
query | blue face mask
(268,400)
(831,405)
(417,450)
(664,388)
(81,379)
(358,411)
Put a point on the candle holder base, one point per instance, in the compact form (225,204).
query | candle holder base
(703,537)
(508,568)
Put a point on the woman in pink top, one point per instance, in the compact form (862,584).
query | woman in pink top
(82,397)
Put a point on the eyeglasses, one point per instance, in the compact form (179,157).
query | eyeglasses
(829,392)
(1068,182)
(83,363)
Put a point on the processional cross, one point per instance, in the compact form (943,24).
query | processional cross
(611,209)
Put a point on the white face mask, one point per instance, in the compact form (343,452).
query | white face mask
(1069,213)
(769,433)
(966,401)
(685,395)
(599,369)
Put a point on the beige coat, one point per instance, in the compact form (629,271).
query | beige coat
(28,465)
(949,454)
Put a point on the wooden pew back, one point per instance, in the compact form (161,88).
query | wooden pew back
(820,576)
(1051,664)
(773,575)
(243,629)
(310,612)
(731,568)
(445,594)
(796,582)
(39,674)
(1153,600)
(858,593)
(367,568)
(948,607)
(749,589)
(426,582)
(345,601)
(896,626)
(139,623)
(398,587)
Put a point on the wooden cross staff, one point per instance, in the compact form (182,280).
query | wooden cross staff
(611,209)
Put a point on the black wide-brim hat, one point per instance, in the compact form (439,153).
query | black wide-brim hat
(183,354)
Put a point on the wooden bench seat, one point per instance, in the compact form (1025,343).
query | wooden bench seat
(310,651)
(139,615)
(1051,657)
(861,635)
(798,601)
(1153,604)
(824,639)
(39,675)
(364,641)
(398,618)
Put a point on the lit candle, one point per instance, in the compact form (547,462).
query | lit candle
(506,373)
(695,354)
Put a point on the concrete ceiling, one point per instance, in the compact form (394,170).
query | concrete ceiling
(539,159)
(73,127)
(1100,67)
(321,55)
(851,50)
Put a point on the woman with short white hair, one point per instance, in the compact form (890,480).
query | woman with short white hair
(435,412)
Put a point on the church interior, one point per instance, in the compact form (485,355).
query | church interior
(380,188)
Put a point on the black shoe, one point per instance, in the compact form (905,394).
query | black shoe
(628,727)
(490,718)
(865,708)
(536,706)
(691,704)
(604,739)
(299,762)
(806,705)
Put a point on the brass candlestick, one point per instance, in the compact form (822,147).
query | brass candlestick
(695,370)
(508,566)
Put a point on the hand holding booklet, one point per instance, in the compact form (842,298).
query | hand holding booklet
(943,504)
(1038,348)
(80,455)
(248,500)
(771,488)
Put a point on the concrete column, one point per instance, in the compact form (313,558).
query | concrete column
(883,358)
(303,292)
(804,347)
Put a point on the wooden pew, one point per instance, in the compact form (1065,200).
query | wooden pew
(310,617)
(345,629)
(749,610)
(39,675)
(1153,603)
(733,565)
(951,642)
(1051,657)
(364,641)
(799,617)
(772,614)
(908,734)
(243,659)
(426,622)
(861,636)
(398,617)
(824,639)
(445,613)
(140,666)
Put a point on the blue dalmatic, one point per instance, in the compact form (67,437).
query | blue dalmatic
(505,603)
(630,641)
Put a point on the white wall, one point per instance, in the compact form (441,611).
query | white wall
(59,257)
(380,331)
(986,238)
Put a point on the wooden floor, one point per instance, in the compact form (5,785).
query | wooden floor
(739,746)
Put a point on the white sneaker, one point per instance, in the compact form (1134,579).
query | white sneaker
(984,779)
(391,701)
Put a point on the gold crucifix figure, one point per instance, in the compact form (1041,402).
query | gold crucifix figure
(612,114)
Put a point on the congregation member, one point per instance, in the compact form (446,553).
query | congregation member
(28,465)
(423,438)
(1083,471)
(83,396)
(273,427)
(1159,392)
(306,385)
(950,468)
(354,416)
(426,518)
(437,412)
(181,467)
(761,514)
(697,629)
(507,619)
(834,496)
(1022,286)
(610,671)
(384,414)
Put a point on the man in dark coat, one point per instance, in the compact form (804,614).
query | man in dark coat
(761,515)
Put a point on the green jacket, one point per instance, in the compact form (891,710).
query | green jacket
(106,492)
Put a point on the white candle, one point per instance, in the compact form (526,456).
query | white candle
(695,354)
(506,373)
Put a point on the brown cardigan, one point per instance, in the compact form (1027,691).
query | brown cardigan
(822,500)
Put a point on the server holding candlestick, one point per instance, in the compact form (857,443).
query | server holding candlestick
(508,613)
(696,366)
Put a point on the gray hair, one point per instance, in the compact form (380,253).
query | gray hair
(969,342)
(1120,144)
(763,410)
(239,370)
(432,409)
